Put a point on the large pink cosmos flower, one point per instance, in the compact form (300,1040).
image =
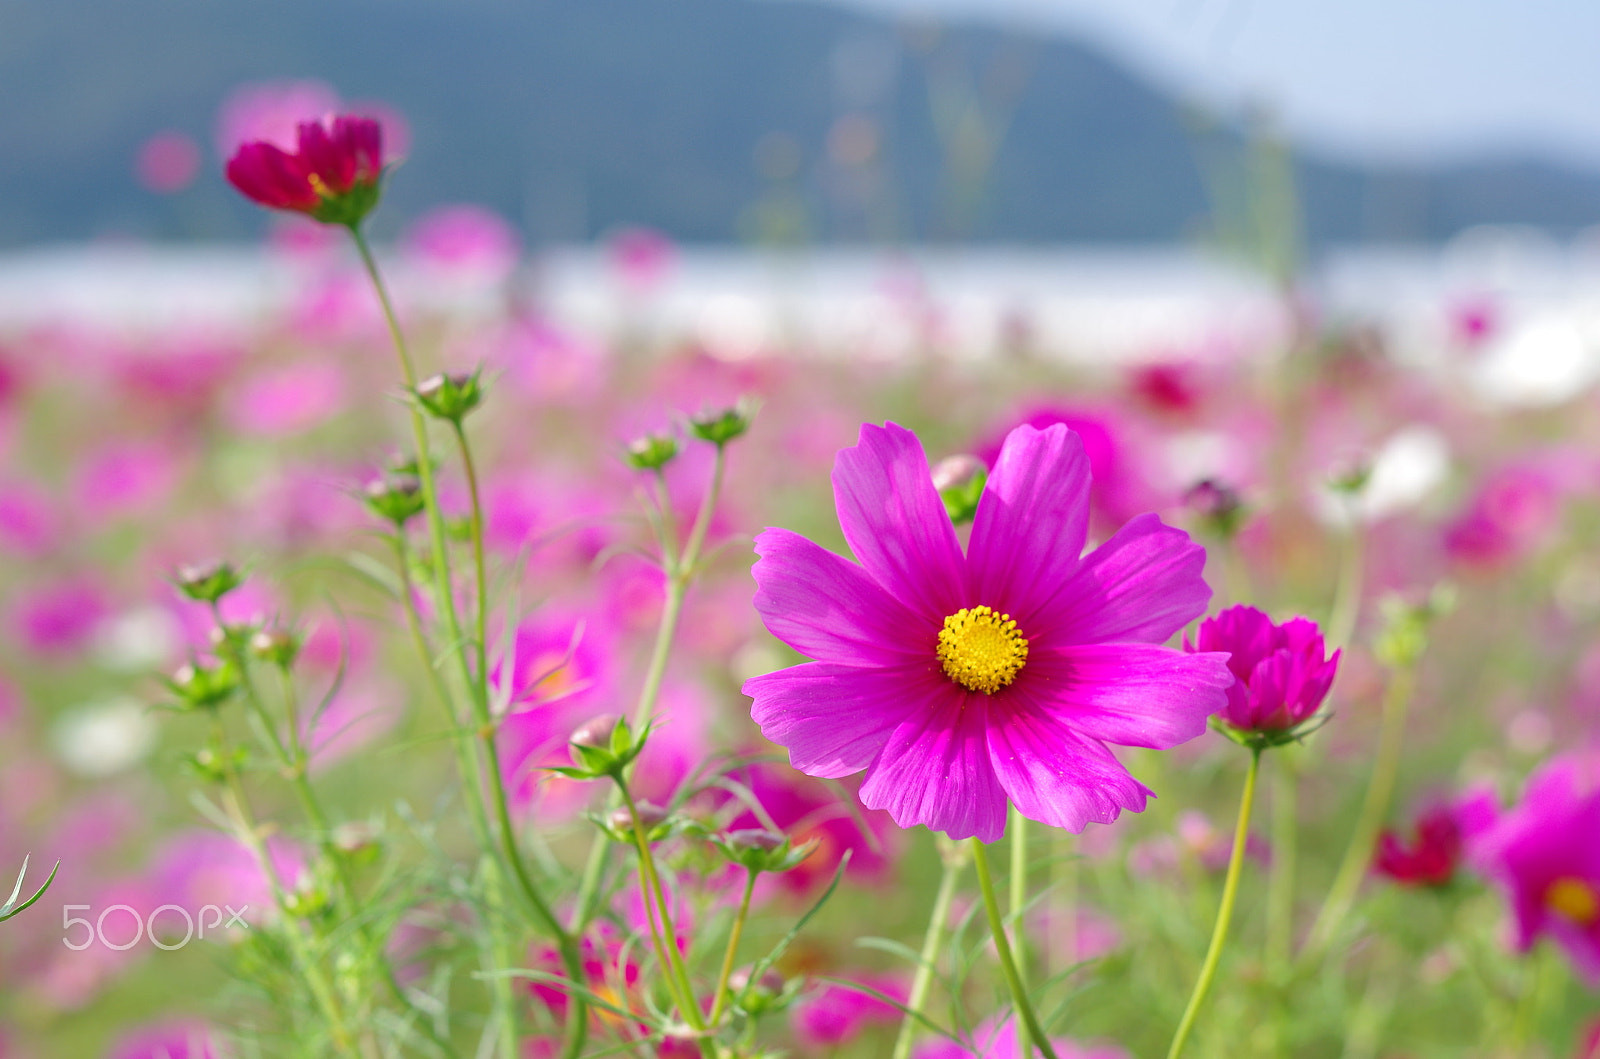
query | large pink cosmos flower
(332,175)
(1544,855)
(961,681)
(1283,671)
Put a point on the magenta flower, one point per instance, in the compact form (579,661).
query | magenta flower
(332,175)
(994,1039)
(1543,854)
(1281,672)
(1442,835)
(959,682)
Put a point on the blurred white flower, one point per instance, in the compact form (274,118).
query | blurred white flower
(104,738)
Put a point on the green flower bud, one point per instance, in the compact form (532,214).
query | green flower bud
(722,427)
(960,481)
(275,646)
(395,497)
(208,582)
(757,850)
(604,746)
(652,452)
(451,396)
(203,687)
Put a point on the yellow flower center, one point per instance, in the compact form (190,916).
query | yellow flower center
(981,650)
(1575,899)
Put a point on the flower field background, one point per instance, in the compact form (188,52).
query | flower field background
(1421,876)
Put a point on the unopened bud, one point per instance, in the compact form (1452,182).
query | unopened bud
(755,838)
(355,837)
(450,395)
(595,733)
(208,582)
(722,427)
(204,687)
(396,498)
(959,481)
(1218,506)
(652,452)
(275,646)
(651,816)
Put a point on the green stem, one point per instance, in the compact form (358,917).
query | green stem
(932,941)
(486,761)
(720,997)
(1347,596)
(480,567)
(1008,965)
(672,964)
(680,572)
(1230,890)
(1018,886)
(244,824)
(1380,789)
(1280,878)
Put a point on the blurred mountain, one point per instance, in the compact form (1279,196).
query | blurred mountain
(712,120)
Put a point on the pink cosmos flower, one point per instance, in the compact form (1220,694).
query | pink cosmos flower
(1544,855)
(836,1014)
(332,175)
(168,162)
(994,1040)
(1281,672)
(1442,834)
(959,682)
(168,1040)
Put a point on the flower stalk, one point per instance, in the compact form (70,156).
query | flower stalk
(955,862)
(1008,963)
(1230,891)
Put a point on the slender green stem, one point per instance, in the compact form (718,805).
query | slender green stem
(673,964)
(238,808)
(1018,886)
(1008,965)
(1280,877)
(1380,789)
(1352,572)
(720,997)
(680,571)
(955,862)
(486,760)
(480,567)
(1230,890)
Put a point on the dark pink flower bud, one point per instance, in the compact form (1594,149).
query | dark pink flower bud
(1281,672)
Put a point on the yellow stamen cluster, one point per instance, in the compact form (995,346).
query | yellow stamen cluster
(981,650)
(1574,899)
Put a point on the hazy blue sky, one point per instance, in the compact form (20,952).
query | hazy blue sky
(1388,77)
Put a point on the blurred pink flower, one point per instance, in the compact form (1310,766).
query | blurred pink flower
(168,162)
(1169,387)
(167,1040)
(271,112)
(1443,832)
(29,526)
(197,868)
(288,399)
(467,241)
(58,618)
(809,810)
(992,1040)
(836,1014)
(331,174)
(1516,510)
(360,713)
(1118,490)
(127,478)
(610,968)
(641,257)
(1544,855)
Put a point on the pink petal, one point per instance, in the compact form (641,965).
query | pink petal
(1056,775)
(829,608)
(935,768)
(895,523)
(1142,585)
(1131,694)
(835,719)
(1032,521)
